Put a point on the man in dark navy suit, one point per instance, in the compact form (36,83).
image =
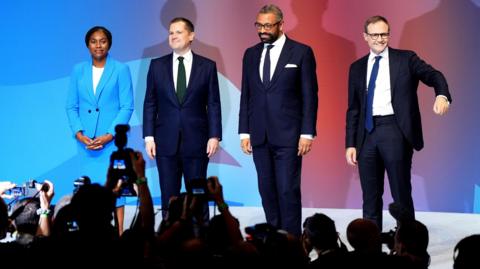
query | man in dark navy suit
(182,115)
(278,114)
(383,118)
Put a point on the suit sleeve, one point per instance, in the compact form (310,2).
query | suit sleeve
(430,76)
(309,94)
(72,105)
(243,124)
(214,107)
(125,95)
(150,104)
(353,111)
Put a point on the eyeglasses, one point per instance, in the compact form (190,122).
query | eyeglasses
(266,26)
(377,35)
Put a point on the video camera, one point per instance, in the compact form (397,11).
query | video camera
(121,167)
(400,214)
(264,234)
(28,189)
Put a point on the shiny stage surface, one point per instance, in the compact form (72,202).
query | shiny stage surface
(445,229)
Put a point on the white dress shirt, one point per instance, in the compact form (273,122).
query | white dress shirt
(382,100)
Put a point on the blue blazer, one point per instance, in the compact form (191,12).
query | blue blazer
(406,70)
(285,109)
(194,121)
(112,104)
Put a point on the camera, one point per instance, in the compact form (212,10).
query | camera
(16,192)
(121,167)
(79,182)
(265,234)
(388,238)
(198,187)
(72,226)
(28,189)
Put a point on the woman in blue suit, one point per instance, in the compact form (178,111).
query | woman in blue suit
(99,98)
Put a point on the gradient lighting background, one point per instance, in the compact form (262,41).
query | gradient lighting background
(42,41)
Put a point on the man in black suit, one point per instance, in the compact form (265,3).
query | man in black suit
(278,115)
(383,117)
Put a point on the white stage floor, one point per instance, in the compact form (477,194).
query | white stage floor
(445,229)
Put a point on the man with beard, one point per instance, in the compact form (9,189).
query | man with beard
(278,114)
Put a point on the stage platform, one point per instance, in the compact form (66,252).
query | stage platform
(445,229)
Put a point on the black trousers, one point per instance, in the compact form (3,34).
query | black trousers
(385,149)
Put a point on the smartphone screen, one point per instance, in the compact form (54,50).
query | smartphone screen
(119,164)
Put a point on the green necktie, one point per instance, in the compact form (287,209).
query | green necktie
(181,80)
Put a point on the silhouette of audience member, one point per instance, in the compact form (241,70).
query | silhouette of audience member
(4,222)
(26,219)
(31,215)
(320,234)
(3,219)
(276,248)
(83,229)
(466,253)
(364,236)
(411,242)
(180,239)
(30,219)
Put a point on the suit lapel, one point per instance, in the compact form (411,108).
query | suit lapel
(363,79)
(170,84)
(394,69)
(282,61)
(196,65)
(89,81)
(107,73)
(256,65)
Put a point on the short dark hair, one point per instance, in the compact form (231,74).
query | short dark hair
(414,236)
(320,230)
(26,217)
(272,9)
(188,23)
(98,28)
(465,252)
(375,19)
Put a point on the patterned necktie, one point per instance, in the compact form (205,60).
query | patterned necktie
(370,94)
(181,80)
(266,67)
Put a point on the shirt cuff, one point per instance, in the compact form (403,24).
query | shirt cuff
(307,136)
(244,136)
(149,139)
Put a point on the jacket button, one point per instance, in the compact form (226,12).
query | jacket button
(97,109)
(89,111)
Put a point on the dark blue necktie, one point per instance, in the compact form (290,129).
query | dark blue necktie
(266,67)
(370,93)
